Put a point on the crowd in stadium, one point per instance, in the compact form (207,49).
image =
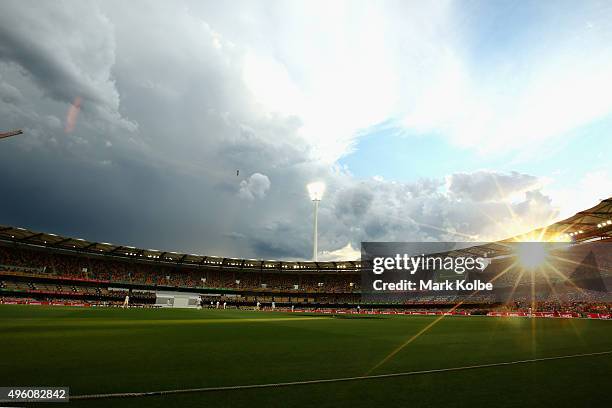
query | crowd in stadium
(120,271)
(46,276)
(575,301)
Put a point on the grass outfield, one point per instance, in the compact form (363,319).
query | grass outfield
(114,350)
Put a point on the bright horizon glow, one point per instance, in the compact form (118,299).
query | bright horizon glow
(316,190)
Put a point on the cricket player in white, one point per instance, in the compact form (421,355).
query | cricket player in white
(126,302)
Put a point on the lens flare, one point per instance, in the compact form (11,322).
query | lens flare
(72,115)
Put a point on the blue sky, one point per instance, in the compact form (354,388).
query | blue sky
(394,154)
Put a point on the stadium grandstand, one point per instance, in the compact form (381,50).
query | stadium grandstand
(40,267)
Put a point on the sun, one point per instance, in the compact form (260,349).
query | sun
(531,255)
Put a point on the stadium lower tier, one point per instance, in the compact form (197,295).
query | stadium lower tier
(46,290)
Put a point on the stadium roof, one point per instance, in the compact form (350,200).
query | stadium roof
(53,241)
(592,224)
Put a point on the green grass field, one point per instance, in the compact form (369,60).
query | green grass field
(115,350)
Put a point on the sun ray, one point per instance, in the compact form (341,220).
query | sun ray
(554,291)
(516,284)
(502,194)
(532,310)
(457,233)
(566,279)
(430,325)
(411,339)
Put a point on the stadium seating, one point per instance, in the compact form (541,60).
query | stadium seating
(46,274)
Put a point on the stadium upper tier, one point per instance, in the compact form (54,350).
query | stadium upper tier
(592,224)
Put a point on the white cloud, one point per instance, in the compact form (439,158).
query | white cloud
(518,103)
(346,253)
(338,82)
(370,62)
(255,187)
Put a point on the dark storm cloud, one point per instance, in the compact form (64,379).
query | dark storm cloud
(274,249)
(354,202)
(66,49)
(163,184)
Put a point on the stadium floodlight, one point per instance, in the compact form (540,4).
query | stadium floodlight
(315,190)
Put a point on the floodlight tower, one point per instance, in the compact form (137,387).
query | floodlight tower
(315,190)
